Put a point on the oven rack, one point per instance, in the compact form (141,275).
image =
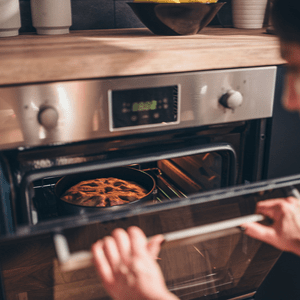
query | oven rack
(172,182)
(44,204)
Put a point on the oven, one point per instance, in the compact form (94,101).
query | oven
(203,139)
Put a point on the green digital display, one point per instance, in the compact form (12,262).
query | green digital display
(144,105)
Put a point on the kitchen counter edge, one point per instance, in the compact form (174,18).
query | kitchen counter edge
(32,58)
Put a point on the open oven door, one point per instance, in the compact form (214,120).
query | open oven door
(205,255)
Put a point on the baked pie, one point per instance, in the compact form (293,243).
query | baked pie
(104,192)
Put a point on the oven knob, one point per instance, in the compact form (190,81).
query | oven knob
(48,117)
(232,99)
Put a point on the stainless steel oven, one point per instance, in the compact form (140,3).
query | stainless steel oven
(202,136)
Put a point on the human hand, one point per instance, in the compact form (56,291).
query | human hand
(284,232)
(126,263)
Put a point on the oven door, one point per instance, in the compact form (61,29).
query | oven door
(205,254)
(214,261)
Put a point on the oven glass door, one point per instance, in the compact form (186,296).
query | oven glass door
(216,260)
(220,264)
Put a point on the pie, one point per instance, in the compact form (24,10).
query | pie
(104,192)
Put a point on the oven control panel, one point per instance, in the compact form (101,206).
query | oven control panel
(81,110)
(143,107)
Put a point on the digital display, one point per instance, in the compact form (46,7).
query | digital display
(144,105)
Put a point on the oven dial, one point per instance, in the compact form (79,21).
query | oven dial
(48,117)
(232,99)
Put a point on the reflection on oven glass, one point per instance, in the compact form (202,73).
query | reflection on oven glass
(195,173)
(207,268)
(213,268)
(196,270)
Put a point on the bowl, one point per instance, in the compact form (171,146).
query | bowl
(175,18)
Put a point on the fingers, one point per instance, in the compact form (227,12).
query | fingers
(136,238)
(102,265)
(272,209)
(292,200)
(282,212)
(124,239)
(138,241)
(123,243)
(112,253)
(260,232)
(154,245)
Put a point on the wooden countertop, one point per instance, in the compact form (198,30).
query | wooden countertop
(121,52)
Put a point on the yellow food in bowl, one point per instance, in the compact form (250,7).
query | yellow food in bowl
(178,1)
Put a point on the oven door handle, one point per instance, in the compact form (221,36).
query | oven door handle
(219,229)
(67,261)
(82,259)
(207,232)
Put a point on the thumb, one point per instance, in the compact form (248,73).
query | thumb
(154,245)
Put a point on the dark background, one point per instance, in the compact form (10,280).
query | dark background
(283,282)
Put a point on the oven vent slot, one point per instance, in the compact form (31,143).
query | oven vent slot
(175,102)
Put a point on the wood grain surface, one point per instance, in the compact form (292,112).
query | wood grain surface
(122,52)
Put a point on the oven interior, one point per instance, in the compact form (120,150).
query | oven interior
(174,178)
(182,163)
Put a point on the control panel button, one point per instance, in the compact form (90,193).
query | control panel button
(134,118)
(232,99)
(156,115)
(48,117)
